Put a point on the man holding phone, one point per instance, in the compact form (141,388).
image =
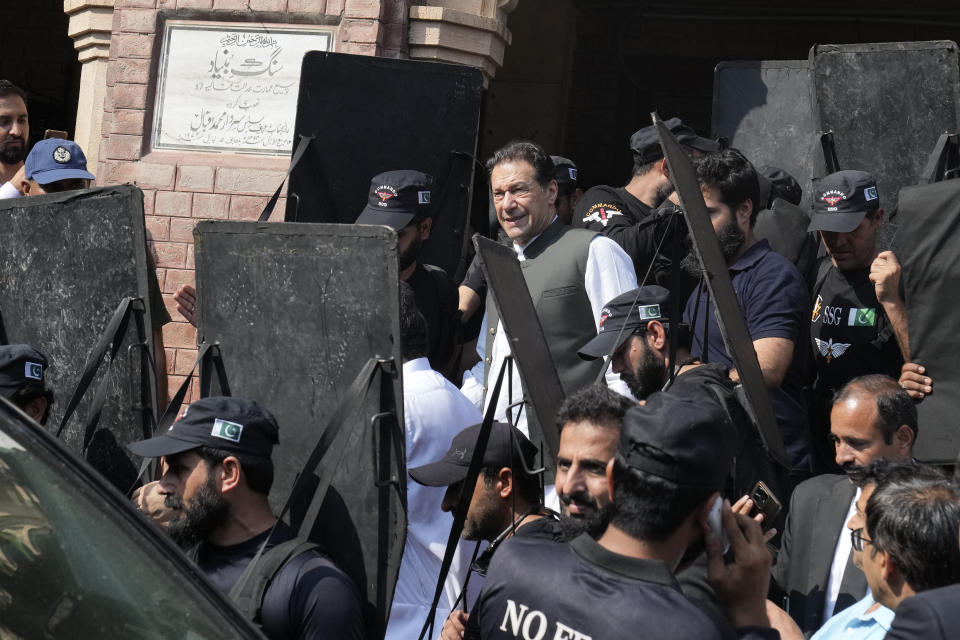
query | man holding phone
(673,457)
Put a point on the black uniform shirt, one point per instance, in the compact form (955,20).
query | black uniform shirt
(437,300)
(615,213)
(309,597)
(851,334)
(542,589)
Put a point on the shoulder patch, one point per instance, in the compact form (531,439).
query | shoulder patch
(601,212)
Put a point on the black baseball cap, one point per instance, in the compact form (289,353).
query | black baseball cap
(628,311)
(681,438)
(645,143)
(507,447)
(841,200)
(396,198)
(779,184)
(20,364)
(565,173)
(232,424)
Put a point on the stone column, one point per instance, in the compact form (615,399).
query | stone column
(471,32)
(91,23)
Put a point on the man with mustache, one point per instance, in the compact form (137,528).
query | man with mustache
(590,430)
(14,137)
(872,418)
(217,479)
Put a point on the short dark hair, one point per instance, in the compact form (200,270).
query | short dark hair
(641,168)
(29,392)
(647,507)
(894,405)
(530,152)
(733,176)
(413,326)
(597,404)
(914,515)
(8,89)
(258,471)
(527,485)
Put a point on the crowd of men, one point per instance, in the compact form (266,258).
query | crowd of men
(662,513)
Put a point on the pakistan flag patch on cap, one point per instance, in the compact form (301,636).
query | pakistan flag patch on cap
(227,430)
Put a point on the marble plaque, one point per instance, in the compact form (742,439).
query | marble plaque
(231,86)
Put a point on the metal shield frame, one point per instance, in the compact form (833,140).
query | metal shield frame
(541,385)
(887,104)
(736,338)
(400,114)
(298,310)
(929,238)
(66,261)
(764,109)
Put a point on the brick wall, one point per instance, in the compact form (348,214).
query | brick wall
(181,189)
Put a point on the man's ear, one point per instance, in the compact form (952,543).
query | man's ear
(424,228)
(744,211)
(664,168)
(552,190)
(888,570)
(904,437)
(230,472)
(24,187)
(36,408)
(505,478)
(610,479)
(656,335)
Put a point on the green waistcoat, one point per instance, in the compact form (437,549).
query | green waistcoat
(555,268)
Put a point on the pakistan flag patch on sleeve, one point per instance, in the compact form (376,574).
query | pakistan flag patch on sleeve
(863,318)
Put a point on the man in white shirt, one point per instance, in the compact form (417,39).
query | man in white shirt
(570,274)
(872,418)
(434,412)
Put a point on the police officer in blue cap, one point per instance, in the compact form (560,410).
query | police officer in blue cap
(55,165)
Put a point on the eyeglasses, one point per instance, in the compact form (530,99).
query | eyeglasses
(857,539)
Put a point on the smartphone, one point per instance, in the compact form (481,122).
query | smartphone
(766,503)
(54,133)
(715,522)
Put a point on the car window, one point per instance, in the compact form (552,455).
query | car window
(73,566)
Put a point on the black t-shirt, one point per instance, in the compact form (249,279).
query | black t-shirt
(308,598)
(437,300)
(850,333)
(638,229)
(537,588)
(616,213)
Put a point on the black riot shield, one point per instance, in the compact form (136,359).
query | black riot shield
(887,104)
(298,311)
(730,317)
(369,115)
(763,108)
(928,241)
(66,262)
(543,392)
